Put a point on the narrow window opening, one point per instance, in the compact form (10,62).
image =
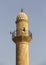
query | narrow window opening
(23,29)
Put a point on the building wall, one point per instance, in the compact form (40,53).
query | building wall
(22,53)
(20,26)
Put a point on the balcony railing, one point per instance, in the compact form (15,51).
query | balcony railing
(14,34)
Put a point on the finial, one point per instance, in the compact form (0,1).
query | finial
(21,9)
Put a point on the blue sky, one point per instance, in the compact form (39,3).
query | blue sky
(36,11)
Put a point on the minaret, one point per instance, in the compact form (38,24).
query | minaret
(21,37)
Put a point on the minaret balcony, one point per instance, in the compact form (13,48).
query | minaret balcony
(21,38)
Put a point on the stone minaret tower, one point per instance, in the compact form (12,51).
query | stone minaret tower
(22,37)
